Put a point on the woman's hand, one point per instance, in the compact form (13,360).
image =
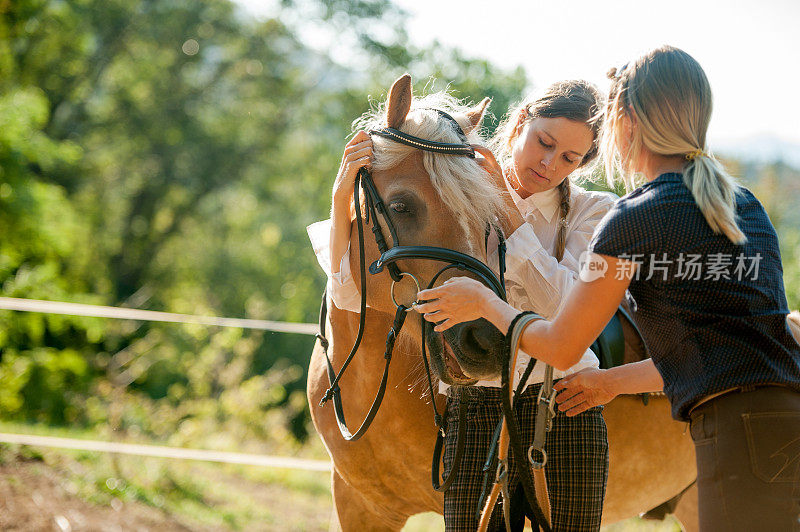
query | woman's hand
(488,162)
(357,154)
(458,300)
(584,390)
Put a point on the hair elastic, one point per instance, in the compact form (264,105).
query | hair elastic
(692,155)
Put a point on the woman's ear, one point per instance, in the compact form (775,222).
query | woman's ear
(627,124)
(520,125)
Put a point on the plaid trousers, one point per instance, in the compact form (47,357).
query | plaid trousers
(576,470)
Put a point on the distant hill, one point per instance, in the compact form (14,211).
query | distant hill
(762,149)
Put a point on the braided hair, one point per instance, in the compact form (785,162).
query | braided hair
(564,206)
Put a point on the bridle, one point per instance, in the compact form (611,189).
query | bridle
(389,256)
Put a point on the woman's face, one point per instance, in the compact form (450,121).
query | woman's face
(546,151)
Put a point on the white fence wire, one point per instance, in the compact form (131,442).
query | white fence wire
(167,452)
(80,309)
(98,311)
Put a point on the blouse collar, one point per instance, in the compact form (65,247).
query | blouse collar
(546,202)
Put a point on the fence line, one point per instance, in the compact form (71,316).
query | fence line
(158,451)
(98,311)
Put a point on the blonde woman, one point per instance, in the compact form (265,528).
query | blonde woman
(700,260)
(545,141)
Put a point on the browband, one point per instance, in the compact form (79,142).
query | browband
(430,145)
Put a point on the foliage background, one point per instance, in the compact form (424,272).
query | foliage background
(168,155)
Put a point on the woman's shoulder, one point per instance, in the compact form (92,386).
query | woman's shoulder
(652,197)
(591,200)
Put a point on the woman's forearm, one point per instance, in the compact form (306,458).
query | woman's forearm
(340,231)
(539,345)
(562,341)
(636,377)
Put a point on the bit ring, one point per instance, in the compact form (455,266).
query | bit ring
(404,274)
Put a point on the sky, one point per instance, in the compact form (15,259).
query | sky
(749,50)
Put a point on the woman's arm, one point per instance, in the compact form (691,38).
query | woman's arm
(533,273)
(592,387)
(561,342)
(331,238)
(587,310)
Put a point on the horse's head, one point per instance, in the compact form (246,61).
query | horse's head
(437,200)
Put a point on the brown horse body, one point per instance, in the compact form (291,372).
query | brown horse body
(382,479)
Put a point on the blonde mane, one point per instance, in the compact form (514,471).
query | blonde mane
(462,184)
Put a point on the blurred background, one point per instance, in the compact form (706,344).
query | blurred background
(168,155)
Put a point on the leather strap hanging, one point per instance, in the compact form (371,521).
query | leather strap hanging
(518,326)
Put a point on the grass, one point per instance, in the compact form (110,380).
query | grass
(203,495)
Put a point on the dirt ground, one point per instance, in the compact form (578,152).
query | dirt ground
(34,496)
(42,493)
(50,490)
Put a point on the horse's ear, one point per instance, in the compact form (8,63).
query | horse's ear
(475,115)
(399,102)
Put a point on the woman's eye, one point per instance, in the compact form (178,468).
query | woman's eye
(543,143)
(570,161)
(398,206)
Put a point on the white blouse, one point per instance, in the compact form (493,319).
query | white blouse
(534,279)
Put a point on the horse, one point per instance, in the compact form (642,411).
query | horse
(383,478)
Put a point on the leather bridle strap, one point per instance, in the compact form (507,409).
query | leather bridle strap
(334,392)
(399,318)
(459,260)
(510,434)
(422,144)
(490,459)
(374,207)
(440,484)
(447,148)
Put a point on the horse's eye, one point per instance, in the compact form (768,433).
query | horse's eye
(398,206)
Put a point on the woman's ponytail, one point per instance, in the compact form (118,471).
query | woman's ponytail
(714,191)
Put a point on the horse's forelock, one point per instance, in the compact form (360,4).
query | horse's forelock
(460,182)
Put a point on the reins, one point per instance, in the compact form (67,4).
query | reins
(508,434)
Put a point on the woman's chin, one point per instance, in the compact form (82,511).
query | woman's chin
(533,183)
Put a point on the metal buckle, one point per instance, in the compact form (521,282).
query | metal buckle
(551,406)
(416,282)
(535,464)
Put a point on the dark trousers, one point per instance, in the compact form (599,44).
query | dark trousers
(576,470)
(748,460)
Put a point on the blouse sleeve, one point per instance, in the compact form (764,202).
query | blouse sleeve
(629,231)
(341,286)
(535,280)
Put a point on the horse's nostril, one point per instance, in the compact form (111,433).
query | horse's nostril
(476,339)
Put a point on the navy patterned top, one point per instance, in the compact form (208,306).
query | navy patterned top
(713,314)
